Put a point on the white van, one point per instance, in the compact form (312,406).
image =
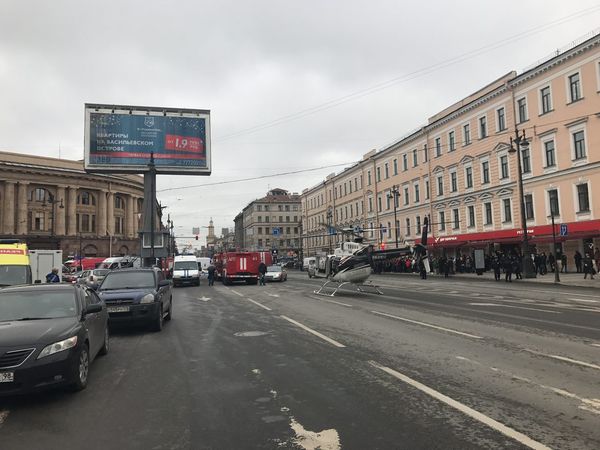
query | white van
(185,270)
(203,264)
(112,263)
(308,263)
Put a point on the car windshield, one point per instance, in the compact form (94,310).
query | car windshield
(101,272)
(128,280)
(37,304)
(274,269)
(185,265)
(10,275)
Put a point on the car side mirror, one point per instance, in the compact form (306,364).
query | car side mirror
(163,283)
(93,309)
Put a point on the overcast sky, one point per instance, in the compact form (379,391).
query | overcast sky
(256,65)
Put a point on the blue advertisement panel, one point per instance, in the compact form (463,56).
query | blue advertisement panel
(123,139)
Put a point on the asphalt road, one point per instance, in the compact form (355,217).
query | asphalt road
(446,364)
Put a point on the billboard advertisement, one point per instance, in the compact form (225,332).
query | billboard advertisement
(124,138)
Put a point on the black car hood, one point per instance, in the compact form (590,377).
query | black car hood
(133,294)
(32,332)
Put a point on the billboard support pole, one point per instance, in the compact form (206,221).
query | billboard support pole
(149,213)
(152,175)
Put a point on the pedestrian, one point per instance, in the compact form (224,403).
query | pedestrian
(496,267)
(577,257)
(588,267)
(53,277)
(262,270)
(564,263)
(211,275)
(517,263)
(597,258)
(551,262)
(507,263)
(544,267)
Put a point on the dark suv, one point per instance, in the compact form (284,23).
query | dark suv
(137,295)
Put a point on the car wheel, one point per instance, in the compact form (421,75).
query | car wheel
(158,320)
(170,313)
(106,345)
(81,369)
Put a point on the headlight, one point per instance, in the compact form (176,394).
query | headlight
(148,298)
(58,347)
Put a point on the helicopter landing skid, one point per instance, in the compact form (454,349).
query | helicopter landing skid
(359,287)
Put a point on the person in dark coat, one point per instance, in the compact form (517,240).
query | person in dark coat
(517,263)
(262,270)
(53,277)
(508,268)
(588,267)
(577,259)
(211,275)
(551,262)
(564,259)
(496,267)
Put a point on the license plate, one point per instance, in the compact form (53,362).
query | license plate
(117,309)
(7,377)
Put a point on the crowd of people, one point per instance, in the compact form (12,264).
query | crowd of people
(501,263)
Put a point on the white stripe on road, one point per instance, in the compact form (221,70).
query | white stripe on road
(259,304)
(563,358)
(518,307)
(338,303)
(596,345)
(316,333)
(494,424)
(236,293)
(426,325)
(584,300)
(3,415)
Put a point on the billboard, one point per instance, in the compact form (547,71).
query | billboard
(123,139)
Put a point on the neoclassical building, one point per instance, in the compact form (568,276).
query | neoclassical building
(54,204)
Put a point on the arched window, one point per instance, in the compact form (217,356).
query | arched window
(85,198)
(41,195)
(124,250)
(119,202)
(90,250)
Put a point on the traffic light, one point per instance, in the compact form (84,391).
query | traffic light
(196,237)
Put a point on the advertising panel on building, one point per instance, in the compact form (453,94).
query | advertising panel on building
(124,138)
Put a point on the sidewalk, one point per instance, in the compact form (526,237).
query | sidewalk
(566,279)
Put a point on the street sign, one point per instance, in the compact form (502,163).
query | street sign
(275,231)
(196,230)
(357,229)
(331,231)
(564,229)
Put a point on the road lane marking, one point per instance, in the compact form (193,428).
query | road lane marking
(236,293)
(427,325)
(3,415)
(513,306)
(259,304)
(596,345)
(338,303)
(584,300)
(273,295)
(563,358)
(316,333)
(494,424)
(203,298)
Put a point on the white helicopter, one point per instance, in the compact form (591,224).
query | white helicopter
(353,263)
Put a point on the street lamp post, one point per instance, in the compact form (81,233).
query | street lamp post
(50,200)
(552,212)
(393,194)
(329,217)
(516,144)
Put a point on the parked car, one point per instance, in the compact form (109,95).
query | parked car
(276,273)
(137,296)
(92,276)
(49,335)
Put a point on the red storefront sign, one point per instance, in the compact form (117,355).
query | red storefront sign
(541,233)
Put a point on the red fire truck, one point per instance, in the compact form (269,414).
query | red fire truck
(239,266)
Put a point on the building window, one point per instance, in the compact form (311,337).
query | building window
(40,195)
(545,100)
(379,174)
(405,162)
(549,153)
(395,167)
(407,226)
(418,224)
(451,142)
(295,230)
(267,231)
(369,178)
(259,230)
(488,213)
(482,127)
(453,182)
(526,160)
(387,170)
(425,153)
(438,147)
(426,189)
(442,217)
(406,196)
(85,198)
(469,177)
(370,204)
(267,218)
(266,207)
(582,196)
(503,167)
(507,210)
(579,144)
(417,194)
(574,87)
(259,207)
(287,230)
(501,117)
(466,134)
(471,210)
(119,202)
(387,200)
(415,158)
(485,172)
(528,200)
(38,221)
(379,203)
(522,109)
(553,202)
(118,225)
(440,185)
(456,219)
(259,219)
